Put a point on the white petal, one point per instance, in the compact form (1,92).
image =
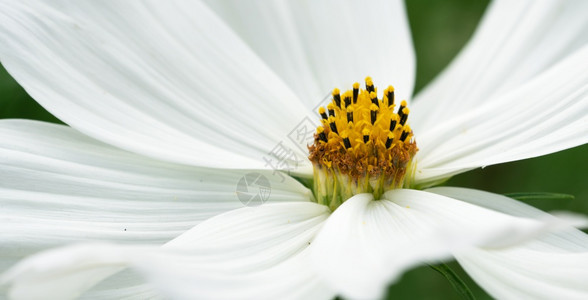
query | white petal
(124,285)
(514,42)
(316,46)
(527,273)
(165,79)
(59,187)
(246,253)
(365,244)
(554,266)
(546,115)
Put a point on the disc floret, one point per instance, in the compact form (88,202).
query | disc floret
(363,145)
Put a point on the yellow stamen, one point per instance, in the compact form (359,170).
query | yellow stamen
(389,140)
(331,108)
(347,98)
(363,146)
(374,98)
(323,113)
(355,92)
(333,124)
(350,114)
(390,95)
(373,113)
(337,97)
(404,116)
(366,135)
(322,137)
(369,85)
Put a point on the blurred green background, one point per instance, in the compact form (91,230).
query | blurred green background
(440,29)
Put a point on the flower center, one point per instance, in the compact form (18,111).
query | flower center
(364,145)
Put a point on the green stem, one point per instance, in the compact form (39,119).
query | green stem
(458,284)
(539,196)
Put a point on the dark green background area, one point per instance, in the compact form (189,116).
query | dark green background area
(440,29)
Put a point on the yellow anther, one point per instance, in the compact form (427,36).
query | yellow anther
(373,113)
(401,109)
(389,140)
(404,116)
(320,132)
(337,97)
(333,125)
(390,95)
(331,108)
(347,98)
(345,139)
(349,114)
(366,135)
(374,97)
(369,85)
(393,122)
(323,113)
(355,92)
(406,131)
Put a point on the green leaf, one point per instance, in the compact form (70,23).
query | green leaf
(539,196)
(458,284)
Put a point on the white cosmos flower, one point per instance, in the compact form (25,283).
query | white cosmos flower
(171,102)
